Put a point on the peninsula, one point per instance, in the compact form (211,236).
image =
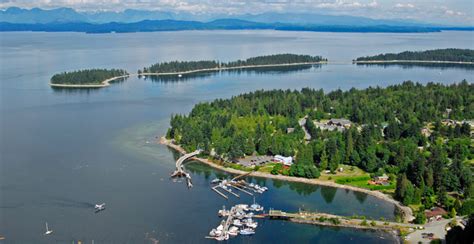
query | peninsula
(89,78)
(437,56)
(377,140)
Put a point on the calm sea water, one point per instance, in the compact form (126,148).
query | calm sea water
(62,151)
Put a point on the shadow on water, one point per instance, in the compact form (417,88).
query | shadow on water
(207,74)
(360,196)
(423,65)
(71,203)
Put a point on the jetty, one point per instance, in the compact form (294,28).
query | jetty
(179,171)
(326,219)
(224,186)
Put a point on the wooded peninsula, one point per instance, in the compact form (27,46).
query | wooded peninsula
(213,65)
(415,139)
(448,55)
(94,77)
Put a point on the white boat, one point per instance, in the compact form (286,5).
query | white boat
(180,75)
(247,231)
(255,206)
(244,207)
(265,188)
(48,231)
(252,185)
(233,231)
(215,181)
(252,224)
(223,237)
(213,233)
(237,222)
(99,207)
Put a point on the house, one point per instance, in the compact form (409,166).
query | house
(449,122)
(340,122)
(287,161)
(425,132)
(380,180)
(334,124)
(435,213)
(290,130)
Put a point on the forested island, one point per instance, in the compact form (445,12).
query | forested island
(87,78)
(448,55)
(414,138)
(175,67)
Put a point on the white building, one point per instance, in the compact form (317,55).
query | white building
(288,161)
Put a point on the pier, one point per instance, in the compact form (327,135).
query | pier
(317,218)
(179,172)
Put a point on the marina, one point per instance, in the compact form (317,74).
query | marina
(224,185)
(237,220)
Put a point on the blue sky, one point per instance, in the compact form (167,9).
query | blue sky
(434,11)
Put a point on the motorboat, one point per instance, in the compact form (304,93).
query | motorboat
(237,222)
(247,231)
(233,231)
(215,181)
(213,233)
(250,223)
(223,237)
(48,231)
(99,207)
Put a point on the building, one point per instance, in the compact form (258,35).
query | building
(380,180)
(334,124)
(425,132)
(340,122)
(287,161)
(435,213)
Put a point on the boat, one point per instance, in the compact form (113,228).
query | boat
(233,231)
(99,207)
(255,206)
(247,231)
(215,181)
(237,222)
(252,185)
(244,207)
(213,233)
(48,231)
(223,237)
(250,223)
(180,75)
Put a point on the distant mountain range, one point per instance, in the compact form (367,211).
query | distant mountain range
(67,19)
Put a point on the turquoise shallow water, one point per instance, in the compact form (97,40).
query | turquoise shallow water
(62,151)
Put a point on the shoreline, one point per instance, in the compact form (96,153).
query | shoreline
(407,213)
(106,83)
(408,62)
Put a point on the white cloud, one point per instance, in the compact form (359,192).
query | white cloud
(407,5)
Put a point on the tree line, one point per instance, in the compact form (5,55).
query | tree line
(183,66)
(448,54)
(386,135)
(88,76)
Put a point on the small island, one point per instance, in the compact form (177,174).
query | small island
(186,67)
(89,78)
(409,144)
(437,56)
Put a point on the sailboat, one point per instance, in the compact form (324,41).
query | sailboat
(48,231)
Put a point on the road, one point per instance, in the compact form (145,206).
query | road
(435,227)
